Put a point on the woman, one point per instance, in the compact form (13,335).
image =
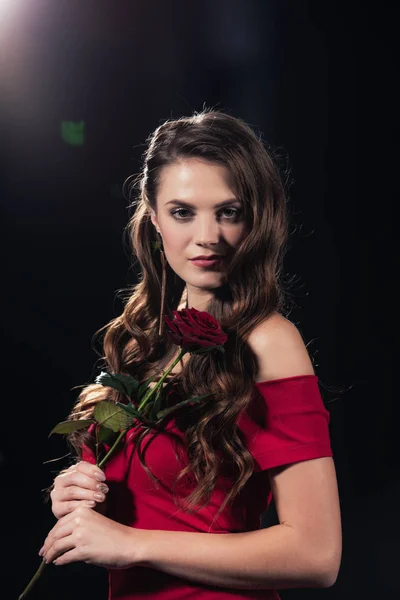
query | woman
(208,188)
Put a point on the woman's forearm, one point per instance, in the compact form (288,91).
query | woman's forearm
(274,557)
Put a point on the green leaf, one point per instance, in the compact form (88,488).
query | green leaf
(70,426)
(113,417)
(122,383)
(129,408)
(167,411)
(106,435)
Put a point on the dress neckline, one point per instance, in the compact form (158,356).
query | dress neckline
(284,379)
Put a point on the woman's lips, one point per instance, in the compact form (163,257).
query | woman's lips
(201,262)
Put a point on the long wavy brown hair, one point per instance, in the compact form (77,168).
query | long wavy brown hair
(253,291)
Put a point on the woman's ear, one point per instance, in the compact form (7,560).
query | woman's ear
(154,220)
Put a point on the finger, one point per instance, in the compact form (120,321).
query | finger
(92,470)
(65,526)
(73,555)
(59,547)
(79,479)
(74,492)
(68,507)
(52,535)
(85,467)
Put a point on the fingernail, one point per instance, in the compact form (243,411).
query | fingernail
(90,502)
(100,497)
(102,488)
(41,551)
(99,475)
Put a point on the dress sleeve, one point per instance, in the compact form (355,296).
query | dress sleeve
(286,422)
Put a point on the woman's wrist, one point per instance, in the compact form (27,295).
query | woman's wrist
(138,547)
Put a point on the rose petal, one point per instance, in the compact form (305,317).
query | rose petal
(193,329)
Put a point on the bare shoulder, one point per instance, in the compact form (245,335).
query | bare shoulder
(280,349)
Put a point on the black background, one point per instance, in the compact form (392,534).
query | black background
(318,79)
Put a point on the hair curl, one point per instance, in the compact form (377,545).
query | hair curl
(130,342)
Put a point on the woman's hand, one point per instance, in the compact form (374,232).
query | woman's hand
(80,485)
(85,535)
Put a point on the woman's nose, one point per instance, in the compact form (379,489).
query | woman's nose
(207,232)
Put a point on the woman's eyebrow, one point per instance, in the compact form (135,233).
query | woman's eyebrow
(224,203)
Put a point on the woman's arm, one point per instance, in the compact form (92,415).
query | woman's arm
(303,550)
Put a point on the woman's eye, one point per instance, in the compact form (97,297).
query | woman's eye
(174,213)
(232,213)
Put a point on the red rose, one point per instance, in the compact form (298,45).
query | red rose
(193,329)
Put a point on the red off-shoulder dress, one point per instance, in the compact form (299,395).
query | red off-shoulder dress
(286,422)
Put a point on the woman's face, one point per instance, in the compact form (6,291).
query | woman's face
(192,222)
